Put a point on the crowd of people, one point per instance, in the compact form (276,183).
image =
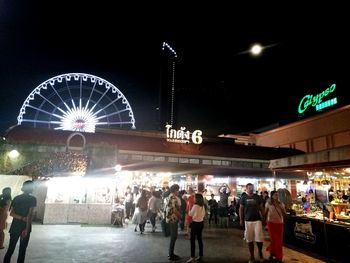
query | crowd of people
(173,208)
(188,210)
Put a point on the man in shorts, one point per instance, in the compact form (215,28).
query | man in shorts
(251,213)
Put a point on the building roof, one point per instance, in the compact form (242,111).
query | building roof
(149,142)
(244,160)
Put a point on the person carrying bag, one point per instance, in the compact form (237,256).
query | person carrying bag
(274,213)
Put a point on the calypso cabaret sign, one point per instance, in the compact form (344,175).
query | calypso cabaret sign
(316,100)
(183,136)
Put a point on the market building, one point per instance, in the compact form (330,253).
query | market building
(82,183)
(326,140)
(325,165)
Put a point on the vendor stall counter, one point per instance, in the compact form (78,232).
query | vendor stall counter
(324,237)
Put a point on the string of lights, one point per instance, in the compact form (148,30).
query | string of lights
(173,52)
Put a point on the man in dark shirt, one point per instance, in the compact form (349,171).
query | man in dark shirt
(251,213)
(224,192)
(21,210)
(213,204)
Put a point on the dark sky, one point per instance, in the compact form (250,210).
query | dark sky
(219,90)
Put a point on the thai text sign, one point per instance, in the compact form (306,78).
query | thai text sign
(183,136)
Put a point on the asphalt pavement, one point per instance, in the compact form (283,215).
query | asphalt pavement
(111,244)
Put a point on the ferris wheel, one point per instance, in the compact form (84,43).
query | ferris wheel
(76,102)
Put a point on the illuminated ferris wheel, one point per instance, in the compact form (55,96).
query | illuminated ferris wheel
(76,102)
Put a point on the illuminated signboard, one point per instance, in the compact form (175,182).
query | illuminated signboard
(183,136)
(316,100)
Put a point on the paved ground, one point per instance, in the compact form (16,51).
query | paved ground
(76,243)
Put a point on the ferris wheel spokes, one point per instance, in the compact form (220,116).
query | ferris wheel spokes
(76,101)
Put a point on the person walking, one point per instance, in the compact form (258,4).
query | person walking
(5,202)
(198,213)
(265,197)
(22,211)
(213,206)
(251,212)
(172,218)
(141,213)
(188,218)
(154,206)
(129,203)
(183,198)
(274,214)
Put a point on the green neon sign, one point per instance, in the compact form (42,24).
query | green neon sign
(316,100)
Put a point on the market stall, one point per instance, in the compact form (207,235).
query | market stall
(320,217)
(79,200)
(327,238)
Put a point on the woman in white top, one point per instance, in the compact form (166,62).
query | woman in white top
(154,205)
(274,213)
(197,212)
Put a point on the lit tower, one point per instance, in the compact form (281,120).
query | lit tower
(167,86)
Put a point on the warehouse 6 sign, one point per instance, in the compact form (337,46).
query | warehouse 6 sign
(316,100)
(183,136)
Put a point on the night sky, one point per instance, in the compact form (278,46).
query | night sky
(220,89)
